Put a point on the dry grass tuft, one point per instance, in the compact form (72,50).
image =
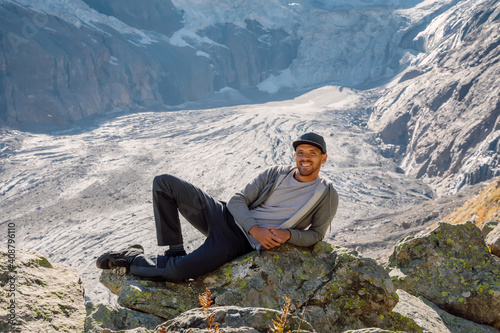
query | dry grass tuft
(280,324)
(484,207)
(205,302)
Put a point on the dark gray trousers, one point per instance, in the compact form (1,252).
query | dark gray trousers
(225,240)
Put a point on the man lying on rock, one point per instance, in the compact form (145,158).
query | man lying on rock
(283,204)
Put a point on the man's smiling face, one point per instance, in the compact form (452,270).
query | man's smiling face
(308,159)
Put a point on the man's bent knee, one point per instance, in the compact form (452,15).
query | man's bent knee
(165,183)
(163,179)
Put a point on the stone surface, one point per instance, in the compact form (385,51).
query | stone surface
(337,288)
(372,330)
(48,298)
(488,227)
(452,94)
(233,319)
(160,16)
(432,319)
(493,241)
(452,267)
(108,319)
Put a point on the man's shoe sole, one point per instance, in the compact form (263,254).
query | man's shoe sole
(113,259)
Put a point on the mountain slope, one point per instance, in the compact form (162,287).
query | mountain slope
(441,118)
(482,208)
(62,61)
(83,189)
(59,65)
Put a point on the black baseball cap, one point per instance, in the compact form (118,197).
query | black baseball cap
(311,139)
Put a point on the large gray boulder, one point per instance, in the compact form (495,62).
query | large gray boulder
(233,319)
(493,241)
(432,319)
(42,297)
(452,267)
(103,318)
(337,288)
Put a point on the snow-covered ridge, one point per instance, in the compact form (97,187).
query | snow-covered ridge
(344,42)
(341,41)
(78,13)
(125,54)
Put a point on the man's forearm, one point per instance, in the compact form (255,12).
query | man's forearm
(268,236)
(283,234)
(238,207)
(304,237)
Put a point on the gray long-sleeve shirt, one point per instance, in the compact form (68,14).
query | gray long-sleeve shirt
(310,223)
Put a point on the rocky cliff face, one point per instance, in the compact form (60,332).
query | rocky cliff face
(441,119)
(59,70)
(62,63)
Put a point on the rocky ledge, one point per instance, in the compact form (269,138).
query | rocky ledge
(453,268)
(444,281)
(37,296)
(335,288)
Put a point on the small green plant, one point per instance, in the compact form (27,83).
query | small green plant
(279,325)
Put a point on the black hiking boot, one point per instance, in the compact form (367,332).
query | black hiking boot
(175,253)
(124,258)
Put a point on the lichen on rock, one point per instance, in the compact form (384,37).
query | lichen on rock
(452,267)
(432,319)
(48,298)
(337,288)
(103,318)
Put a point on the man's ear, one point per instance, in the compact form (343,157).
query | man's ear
(323,158)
